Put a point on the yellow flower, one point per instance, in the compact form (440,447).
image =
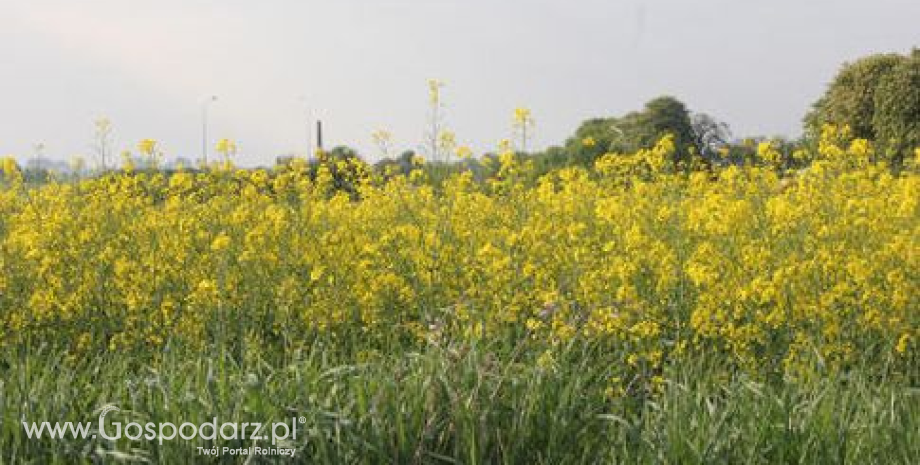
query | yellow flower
(789,274)
(147,147)
(316,274)
(226,147)
(221,242)
(434,91)
(381,136)
(464,152)
(522,119)
(10,167)
(447,141)
(903,344)
(545,360)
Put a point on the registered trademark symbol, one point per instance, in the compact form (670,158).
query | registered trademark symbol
(302,420)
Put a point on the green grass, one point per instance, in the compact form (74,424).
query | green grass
(458,403)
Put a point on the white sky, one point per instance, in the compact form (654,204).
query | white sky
(363,65)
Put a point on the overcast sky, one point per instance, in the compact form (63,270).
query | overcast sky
(362,65)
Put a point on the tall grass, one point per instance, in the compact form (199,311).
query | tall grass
(457,403)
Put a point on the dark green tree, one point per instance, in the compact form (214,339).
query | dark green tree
(400,165)
(664,115)
(632,132)
(897,109)
(592,139)
(850,97)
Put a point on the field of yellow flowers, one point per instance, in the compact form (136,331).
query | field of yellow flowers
(633,311)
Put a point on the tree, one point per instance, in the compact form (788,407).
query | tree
(592,139)
(896,119)
(665,115)
(850,98)
(709,135)
(401,165)
(634,131)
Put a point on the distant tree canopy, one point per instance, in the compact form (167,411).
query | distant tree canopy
(664,115)
(897,108)
(878,97)
(399,165)
(634,131)
(341,153)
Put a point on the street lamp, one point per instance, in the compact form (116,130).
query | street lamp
(204,127)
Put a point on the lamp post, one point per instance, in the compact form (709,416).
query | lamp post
(204,127)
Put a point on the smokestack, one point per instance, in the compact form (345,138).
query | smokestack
(319,134)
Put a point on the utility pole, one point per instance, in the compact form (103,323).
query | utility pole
(319,135)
